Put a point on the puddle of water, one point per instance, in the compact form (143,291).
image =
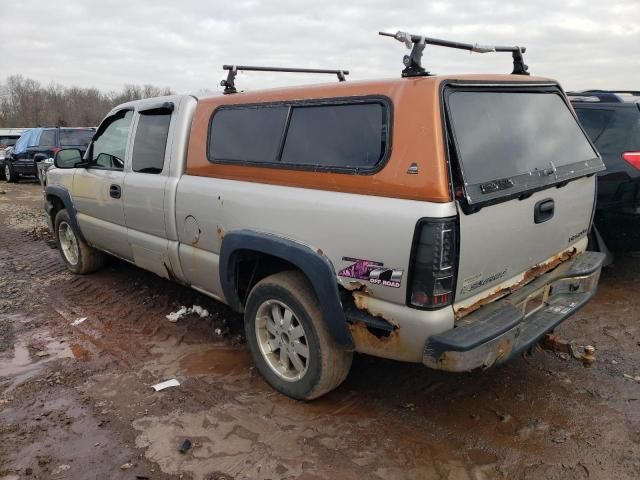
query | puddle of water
(173,358)
(220,361)
(21,359)
(22,366)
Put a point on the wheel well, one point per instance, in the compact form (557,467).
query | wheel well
(57,204)
(251,266)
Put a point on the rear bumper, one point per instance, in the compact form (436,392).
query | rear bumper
(498,331)
(26,167)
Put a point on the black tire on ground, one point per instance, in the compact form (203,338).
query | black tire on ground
(327,364)
(10,174)
(81,260)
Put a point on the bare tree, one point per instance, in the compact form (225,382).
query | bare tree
(26,103)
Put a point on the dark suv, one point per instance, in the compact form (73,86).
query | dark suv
(612,120)
(38,144)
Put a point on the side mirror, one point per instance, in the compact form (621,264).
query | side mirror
(67,158)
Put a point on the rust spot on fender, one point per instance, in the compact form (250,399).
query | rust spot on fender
(362,299)
(382,345)
(528,276)
(220,231)
(354,286)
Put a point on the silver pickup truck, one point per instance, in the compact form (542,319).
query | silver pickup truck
(439,220)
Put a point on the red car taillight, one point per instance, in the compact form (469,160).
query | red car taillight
(433,263)
(632,158)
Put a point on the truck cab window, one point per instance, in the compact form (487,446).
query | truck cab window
(109,147)
(151,141)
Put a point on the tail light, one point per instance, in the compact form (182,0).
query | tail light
(433,263)
(632,158)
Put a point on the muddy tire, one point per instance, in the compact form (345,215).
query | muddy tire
(77,255)
(10,174)
(288,339)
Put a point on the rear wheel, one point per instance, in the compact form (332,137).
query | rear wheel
(10,174)
(288,339)
(77,255)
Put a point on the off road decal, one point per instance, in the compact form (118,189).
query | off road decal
(374,272)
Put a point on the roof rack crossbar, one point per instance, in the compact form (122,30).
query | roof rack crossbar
(229,83)
(413,63)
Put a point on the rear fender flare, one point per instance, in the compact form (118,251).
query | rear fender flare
(312,263)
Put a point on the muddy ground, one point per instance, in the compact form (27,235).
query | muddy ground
(78,356)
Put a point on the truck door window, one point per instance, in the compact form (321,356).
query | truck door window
(151,141)
(110,143)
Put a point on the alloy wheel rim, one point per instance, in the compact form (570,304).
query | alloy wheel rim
(282,340)
(68,243)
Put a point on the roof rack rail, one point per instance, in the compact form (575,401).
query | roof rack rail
(633,93)
(413,62)
(595,96)
(229,83)
(577,97)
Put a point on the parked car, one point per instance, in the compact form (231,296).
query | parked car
(8,138)
(426,219)
(612,120)
(38,144)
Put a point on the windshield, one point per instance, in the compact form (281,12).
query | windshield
(524,139)
(75,136)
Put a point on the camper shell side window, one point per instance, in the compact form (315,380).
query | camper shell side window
(350,135)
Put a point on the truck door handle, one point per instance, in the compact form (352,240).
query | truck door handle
(115,191)
(543,210)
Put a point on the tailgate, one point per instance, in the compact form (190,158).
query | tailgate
(525,185)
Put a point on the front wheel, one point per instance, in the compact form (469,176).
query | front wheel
(10,174)
(288,339)
(77,255)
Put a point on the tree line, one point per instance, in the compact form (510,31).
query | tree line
(26,103)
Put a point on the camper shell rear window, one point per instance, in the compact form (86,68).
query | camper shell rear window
(341,135)
(511,140)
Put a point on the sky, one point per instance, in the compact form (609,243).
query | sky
(183,44)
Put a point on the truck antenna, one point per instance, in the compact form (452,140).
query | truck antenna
(413,61)
(229,83)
